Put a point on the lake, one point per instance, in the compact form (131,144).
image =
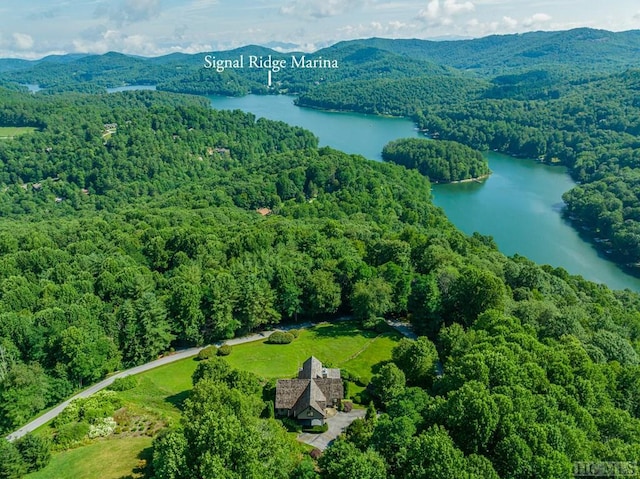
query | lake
(519,205)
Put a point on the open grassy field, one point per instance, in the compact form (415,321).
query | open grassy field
(160,392)
(7,132)
(340,345)
(108,459)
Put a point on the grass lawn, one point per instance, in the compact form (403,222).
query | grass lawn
(108,459)
(162,390)
(341,345)
(11,131)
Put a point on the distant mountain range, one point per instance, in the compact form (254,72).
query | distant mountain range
(582,51)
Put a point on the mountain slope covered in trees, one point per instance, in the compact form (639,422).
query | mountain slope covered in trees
(130,226)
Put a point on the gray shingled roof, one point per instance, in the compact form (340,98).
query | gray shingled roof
(314,387)
(312,396)
(311,368)
(288,391)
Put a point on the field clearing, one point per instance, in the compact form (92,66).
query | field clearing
(8,132)
(340,345)
(107,459)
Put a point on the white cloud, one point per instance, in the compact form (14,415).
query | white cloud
(320,8)
(391,28)
(23,41)
(432,11)
(509,22)
(196,7)
(128,11)
(536,20)
(452,7)
(441,13)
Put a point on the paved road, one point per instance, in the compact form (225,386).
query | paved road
(183,354)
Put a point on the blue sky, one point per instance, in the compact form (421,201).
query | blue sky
(35,28)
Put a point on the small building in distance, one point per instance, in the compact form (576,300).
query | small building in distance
(307,397)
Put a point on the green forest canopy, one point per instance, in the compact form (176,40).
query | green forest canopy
(440,161)
(119,242)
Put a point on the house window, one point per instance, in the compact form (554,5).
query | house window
(310,413)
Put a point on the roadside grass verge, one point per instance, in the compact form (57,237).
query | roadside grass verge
(162,390)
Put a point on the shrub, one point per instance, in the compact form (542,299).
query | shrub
(347,406)
(268,411)
(280,337)
(208,352)
(224,350)
(294,332)
(216,369)
(316,429)
(124,384)
(71,434)
(35,451)
(102,404)
(11,463)
(363,397)
(347,387)
(102,428)
(291,425)
(376,324)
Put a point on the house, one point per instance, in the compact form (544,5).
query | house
(308,397)
(264,211)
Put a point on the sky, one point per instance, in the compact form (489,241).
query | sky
(35,28)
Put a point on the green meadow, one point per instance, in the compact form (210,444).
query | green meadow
(107,459)
(8,132)
(339,345)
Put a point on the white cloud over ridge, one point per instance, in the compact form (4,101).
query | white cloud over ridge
(128,11)
(442,12)
(154,27)
(23,41)
(320,8)
(537,20)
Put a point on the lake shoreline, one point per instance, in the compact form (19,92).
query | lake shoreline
(477,179)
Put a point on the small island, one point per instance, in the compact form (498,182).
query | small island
(441,161)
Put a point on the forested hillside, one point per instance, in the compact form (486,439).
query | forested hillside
(577,50)
(587,123)
(130,227)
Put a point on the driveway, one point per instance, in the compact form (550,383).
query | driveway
(337,425)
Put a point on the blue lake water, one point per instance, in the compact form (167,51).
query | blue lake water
(519,205)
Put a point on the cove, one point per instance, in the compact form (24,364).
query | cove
(519,205)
